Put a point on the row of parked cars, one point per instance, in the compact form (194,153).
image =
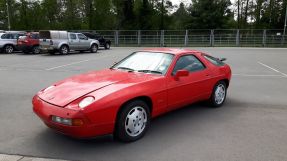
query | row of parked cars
(51,41)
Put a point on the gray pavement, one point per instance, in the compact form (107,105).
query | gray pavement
(252,125)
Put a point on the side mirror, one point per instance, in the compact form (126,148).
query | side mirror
(181,73)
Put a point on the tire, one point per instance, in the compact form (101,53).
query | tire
(9,49)
(36,50)
(132,122)
(107,46)
(64,50)
(219,93)
(94,48)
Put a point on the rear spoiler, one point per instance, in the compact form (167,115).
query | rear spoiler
(222,59)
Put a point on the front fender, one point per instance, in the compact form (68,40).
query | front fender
(95,42)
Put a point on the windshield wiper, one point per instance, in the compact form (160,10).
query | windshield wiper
(150,71)
(126,68)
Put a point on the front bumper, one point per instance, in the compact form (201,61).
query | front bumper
(45,111)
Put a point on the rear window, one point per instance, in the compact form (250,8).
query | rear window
(213,60)
(44,35)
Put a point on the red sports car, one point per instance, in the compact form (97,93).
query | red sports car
(122,100)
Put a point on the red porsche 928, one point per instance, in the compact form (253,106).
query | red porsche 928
(122,100)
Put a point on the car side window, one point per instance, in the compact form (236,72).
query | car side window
(5,36)
(73,36)
(35,36)
(189,63)
(82,37)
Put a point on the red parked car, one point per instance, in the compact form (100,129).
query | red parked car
(122,100)
(29,43)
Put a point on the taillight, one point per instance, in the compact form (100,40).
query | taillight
(51,42)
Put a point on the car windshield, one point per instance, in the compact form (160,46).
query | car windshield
(146,62)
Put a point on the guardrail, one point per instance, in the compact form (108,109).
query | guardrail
(192,38)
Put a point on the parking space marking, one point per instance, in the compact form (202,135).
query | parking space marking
(61,66)
(258,75)
(285,75)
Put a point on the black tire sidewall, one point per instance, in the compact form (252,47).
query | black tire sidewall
(61,48)
(120,132)
(93,47)
(5,49)
(212,98)
(33,50)
(107,46)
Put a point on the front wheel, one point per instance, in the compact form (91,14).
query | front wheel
(94,48)
(218,95)
(9,49)
(133,121)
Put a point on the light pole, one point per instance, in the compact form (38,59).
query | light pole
(8,15)
(285,24)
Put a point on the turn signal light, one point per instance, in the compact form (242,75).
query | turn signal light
(68,121)
(77,122)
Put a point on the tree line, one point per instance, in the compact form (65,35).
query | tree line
(141,14)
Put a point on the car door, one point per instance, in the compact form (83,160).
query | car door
(191,88)
(74,42)
(84,42)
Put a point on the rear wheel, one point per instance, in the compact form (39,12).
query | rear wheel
(218,95)
(94,48)
(107,46)
(36,50)
(133,121)
(8,49)
(64,50)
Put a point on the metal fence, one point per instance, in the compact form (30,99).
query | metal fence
(192,38)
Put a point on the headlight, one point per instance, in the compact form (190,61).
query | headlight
(48,88)
(86,102)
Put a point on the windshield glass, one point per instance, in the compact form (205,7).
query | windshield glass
(147,62)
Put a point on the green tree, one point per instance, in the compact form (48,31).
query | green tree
(206,14)
(180,18)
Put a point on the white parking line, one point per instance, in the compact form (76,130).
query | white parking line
(61,66)
(285,75)
(257,75)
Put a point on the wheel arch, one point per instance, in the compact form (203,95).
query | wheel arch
(226,81)
(9,44)
(64,43)
(146,99)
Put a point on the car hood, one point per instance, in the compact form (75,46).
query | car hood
(70,89)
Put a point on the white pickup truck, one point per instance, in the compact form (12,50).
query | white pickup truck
(63,42)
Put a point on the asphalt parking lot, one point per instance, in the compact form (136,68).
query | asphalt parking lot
(252,125)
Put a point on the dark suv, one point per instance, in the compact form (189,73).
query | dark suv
(29,43)
(103,42)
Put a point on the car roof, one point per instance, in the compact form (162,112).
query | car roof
(175,51)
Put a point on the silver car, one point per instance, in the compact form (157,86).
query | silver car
(8,41)
(63,42)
